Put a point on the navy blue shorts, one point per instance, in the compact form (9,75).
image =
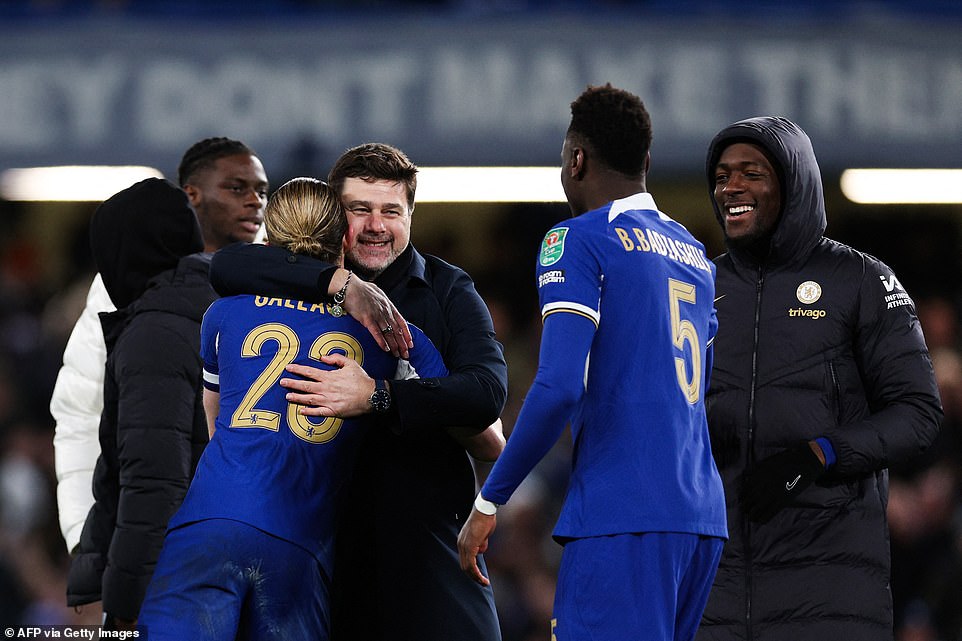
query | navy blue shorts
(651,586)
(221,579)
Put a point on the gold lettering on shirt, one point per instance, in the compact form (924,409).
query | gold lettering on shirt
(289,303)
(648,240)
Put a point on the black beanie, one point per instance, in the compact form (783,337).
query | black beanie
(140,232)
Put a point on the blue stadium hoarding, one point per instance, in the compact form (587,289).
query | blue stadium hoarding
(485,92)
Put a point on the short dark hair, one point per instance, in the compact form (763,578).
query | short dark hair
(203,154)
(615,125)
(375,161)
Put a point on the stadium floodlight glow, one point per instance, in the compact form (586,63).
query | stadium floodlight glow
(902,186)
(70,183)
(489,185)
(435,184)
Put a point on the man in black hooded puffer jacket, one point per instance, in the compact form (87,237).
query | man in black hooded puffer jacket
(821,380)
(153,429)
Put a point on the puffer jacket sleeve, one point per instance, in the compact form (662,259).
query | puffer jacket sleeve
(250,268)
(474,392)
(893,361)
(75,405)
(158,372)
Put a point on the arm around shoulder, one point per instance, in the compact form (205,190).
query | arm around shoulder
(265,270)
(251,268)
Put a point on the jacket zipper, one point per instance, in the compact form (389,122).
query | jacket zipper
(746,534)
(836,389)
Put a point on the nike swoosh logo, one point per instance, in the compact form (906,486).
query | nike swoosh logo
(720,297)
(791,486)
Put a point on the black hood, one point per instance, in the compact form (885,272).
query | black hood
(140,232)
(802,220)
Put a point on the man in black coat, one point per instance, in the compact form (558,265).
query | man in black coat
(398,573)
(226,185)
(821,380)
(145,241)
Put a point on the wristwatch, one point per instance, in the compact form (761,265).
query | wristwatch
(381,398)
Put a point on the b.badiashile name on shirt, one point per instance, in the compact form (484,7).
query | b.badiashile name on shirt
(647,240)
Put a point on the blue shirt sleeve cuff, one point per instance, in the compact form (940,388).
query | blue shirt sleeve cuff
(827,450)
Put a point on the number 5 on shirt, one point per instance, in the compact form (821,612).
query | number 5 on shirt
(682,331)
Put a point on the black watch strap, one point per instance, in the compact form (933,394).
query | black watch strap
(380,400)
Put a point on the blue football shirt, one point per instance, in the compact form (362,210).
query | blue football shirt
(267,465)
(627,299)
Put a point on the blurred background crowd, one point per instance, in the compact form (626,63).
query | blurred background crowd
(45,270)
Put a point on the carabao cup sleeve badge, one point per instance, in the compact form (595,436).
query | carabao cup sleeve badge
(553,246)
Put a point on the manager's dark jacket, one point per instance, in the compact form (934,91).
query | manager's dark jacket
(397,574)
(815,339)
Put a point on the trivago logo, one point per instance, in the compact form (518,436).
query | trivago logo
(807,313)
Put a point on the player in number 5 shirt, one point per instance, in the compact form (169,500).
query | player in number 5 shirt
(627,304)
